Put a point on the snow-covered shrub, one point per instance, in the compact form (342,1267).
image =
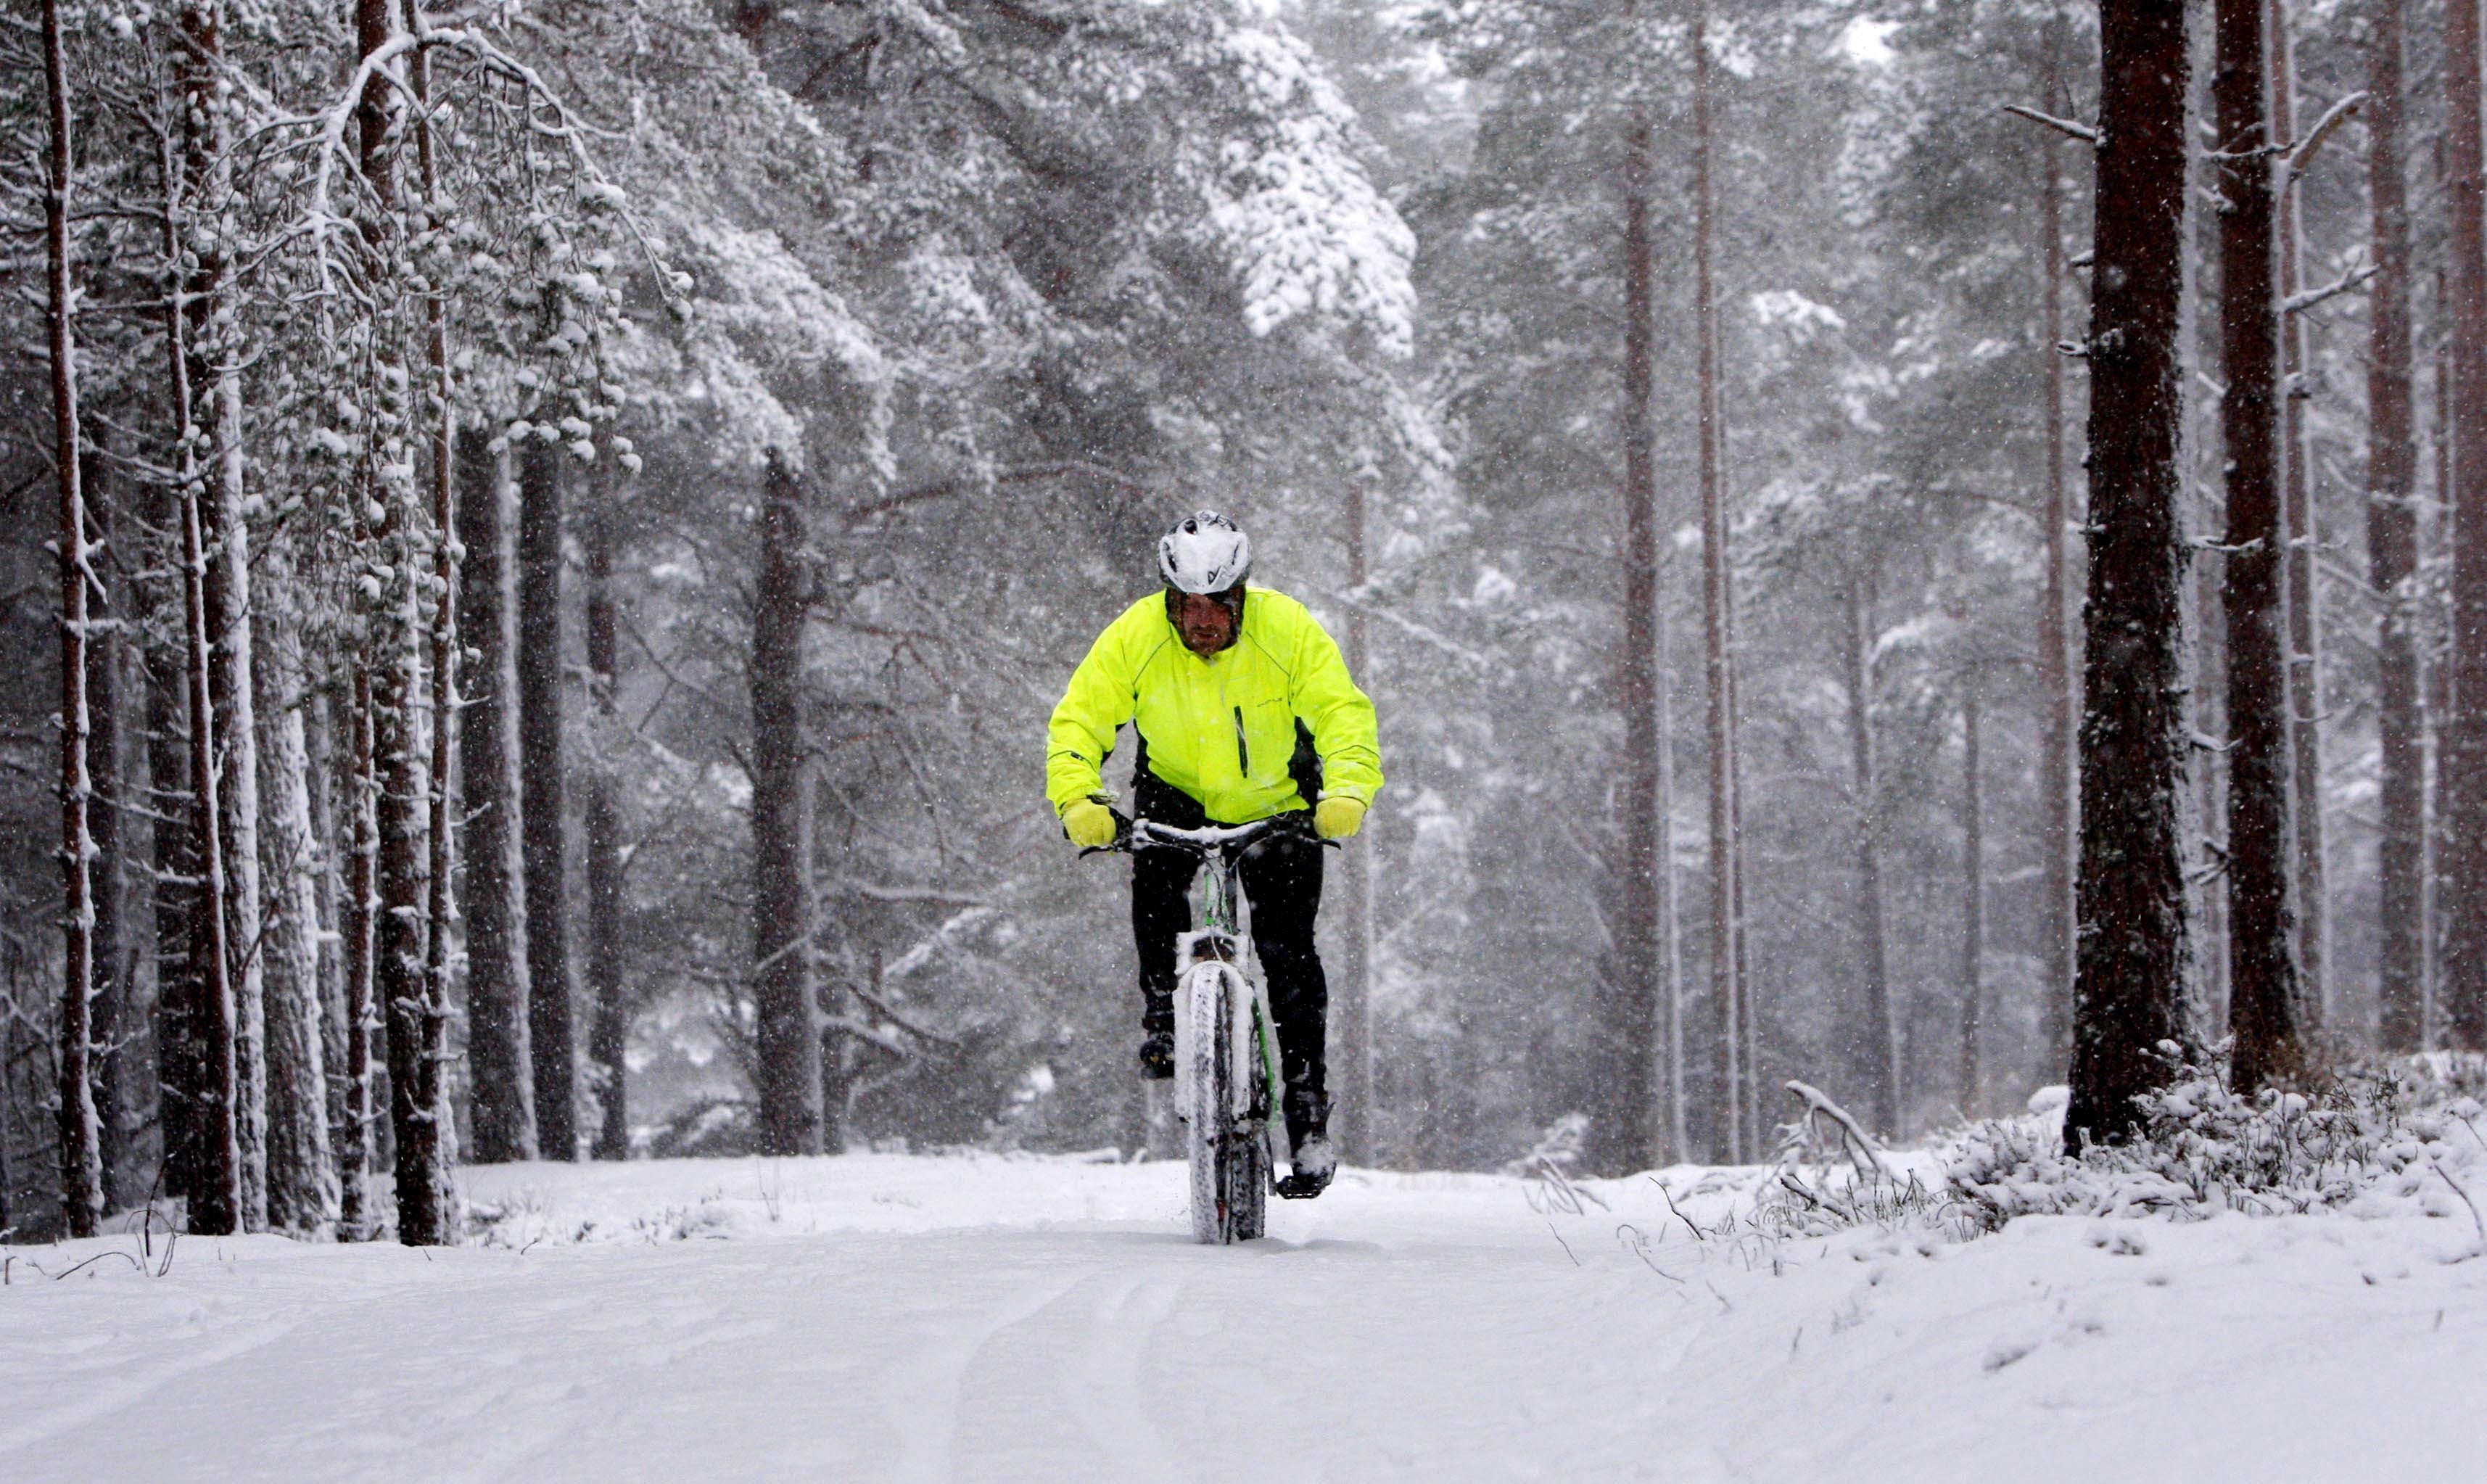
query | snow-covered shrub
(1558,1146)
(2203,1148)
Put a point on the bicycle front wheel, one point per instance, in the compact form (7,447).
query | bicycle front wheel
(1222,1092)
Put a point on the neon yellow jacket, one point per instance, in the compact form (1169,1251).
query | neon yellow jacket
(1222,729)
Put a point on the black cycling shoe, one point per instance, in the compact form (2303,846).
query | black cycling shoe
(1157,1057)
(1308,1135)
(1315,1163)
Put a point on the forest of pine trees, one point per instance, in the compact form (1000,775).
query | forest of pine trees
(1936,549)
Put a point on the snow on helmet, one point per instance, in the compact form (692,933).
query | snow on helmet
(1205,553)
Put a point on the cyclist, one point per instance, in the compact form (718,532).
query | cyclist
(1243,708)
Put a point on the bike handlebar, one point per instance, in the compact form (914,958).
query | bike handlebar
(1131,834)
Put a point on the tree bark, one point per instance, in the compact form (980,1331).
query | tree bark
(609,1033)
(1624,1135)
(551,1041)
(2129,972)
(1723,1029)
(116,1001)
(405,974)
(2056,783)
(1352,1119)
(357,1215)
(1881,1042)
(789,1049)
(419,1031)
(2463,730)
(1972,904)
(2307,704)
(2391,553)
(302,1192)
(81,1135)
(502,1117)
(174,851)
(2264,1010)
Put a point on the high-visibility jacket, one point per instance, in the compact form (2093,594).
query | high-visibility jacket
(1237,731)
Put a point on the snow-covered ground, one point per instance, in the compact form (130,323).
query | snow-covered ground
(888,1317)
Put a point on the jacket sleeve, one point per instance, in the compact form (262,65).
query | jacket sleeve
(1094,705)
(1345,731)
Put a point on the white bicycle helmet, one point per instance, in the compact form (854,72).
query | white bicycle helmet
(1204,553)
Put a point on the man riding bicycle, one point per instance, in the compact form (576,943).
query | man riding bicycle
(1244,710)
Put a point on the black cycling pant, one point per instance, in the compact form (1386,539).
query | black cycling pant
(1282,879)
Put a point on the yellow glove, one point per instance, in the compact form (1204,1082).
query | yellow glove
(1337,817)
(1089,824)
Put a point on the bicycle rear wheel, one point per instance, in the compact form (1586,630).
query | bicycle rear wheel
(1229,1160)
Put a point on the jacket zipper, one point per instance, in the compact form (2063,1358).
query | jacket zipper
(1242,753)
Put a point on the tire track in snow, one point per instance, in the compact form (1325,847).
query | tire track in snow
(117,1395)
(1104,1388)
(924,1399)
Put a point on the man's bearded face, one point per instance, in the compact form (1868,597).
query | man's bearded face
(1207,621)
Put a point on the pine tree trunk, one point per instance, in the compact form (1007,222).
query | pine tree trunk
(1624,1135)
(2306,702)
(1972,904)
(608,1035)
(789,1049)
(1724,1028)
(1351,1118)
(216,1203)
(81,1137)
(551,1043)
(2056,783)
(201,95)
(423,1088)
(358,1215)
(1880,1042)
(403,974)
(212,1177)
(180,1070)
(2264,1010)
(2391,553)
(1671,924)
(2463,729)
(2129,974)
(502,1086)
(115,1016)
(301,1165)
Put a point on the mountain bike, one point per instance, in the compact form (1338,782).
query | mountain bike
(1225,1046)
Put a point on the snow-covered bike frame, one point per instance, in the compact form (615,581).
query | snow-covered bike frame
(1225,1046)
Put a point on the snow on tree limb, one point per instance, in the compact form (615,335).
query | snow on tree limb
(2079,130)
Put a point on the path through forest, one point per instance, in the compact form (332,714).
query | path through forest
(884,1317)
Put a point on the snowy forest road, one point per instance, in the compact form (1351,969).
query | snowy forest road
(882,1317)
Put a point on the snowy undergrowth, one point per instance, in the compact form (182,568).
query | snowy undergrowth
(2376,1142)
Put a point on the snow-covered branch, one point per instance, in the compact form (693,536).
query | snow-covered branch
(2072,126)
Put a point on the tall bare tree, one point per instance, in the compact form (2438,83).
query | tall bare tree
(1352,1123)
(1624,1134)
(2264,1007)
(1726,1028)
(2133,944)
(2307,701)
(81,1138)
(500,1082)
(201,268)
(1973,902)
(788,1048)
(551,1039)
(609,1032)
(2057,720)
(404,974)
(2462,731)
(2391,550)
(1879,1035)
